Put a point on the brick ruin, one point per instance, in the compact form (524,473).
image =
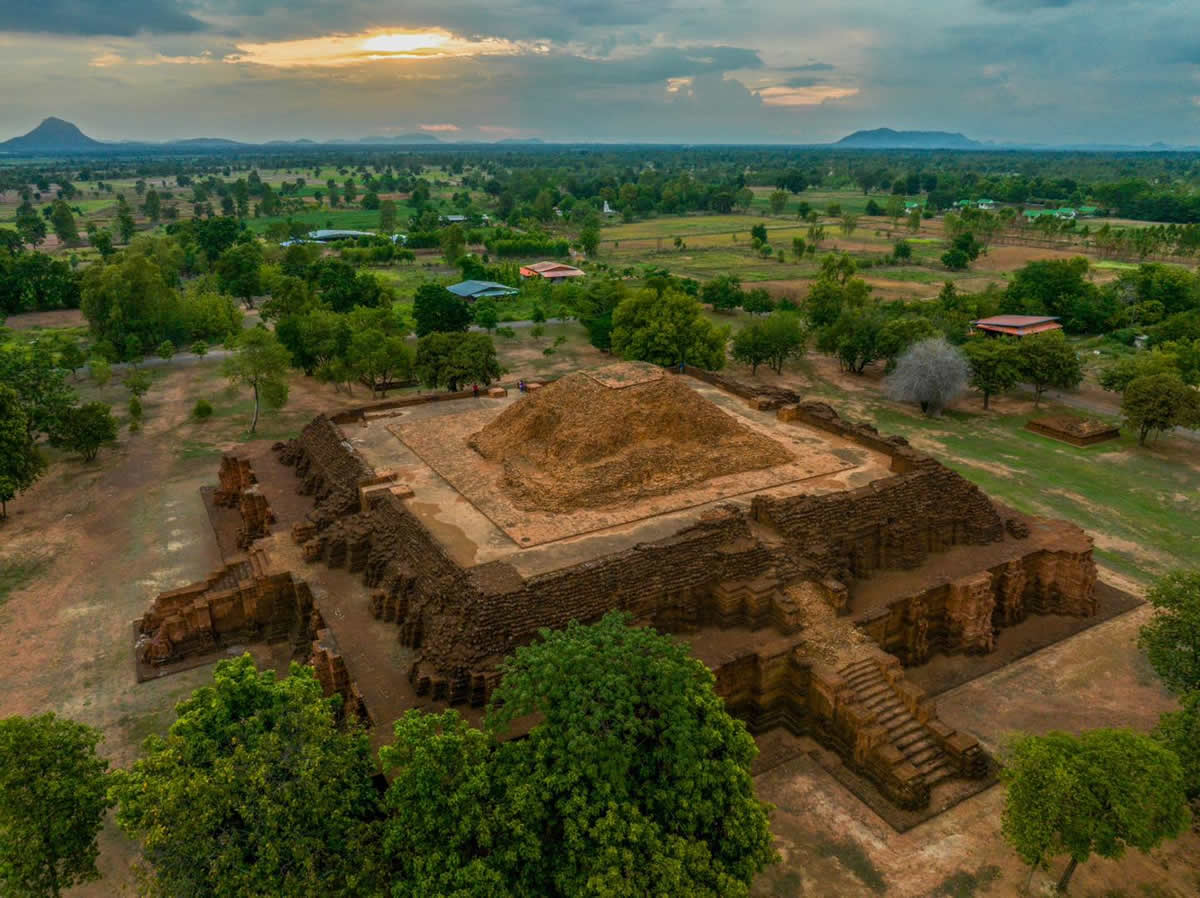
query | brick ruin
(1074,429)
(807,607)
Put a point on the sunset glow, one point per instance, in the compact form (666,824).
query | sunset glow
(373,46)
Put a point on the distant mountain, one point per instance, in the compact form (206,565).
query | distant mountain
(521,140)
(886,138)
(206,142)
(416,137)
(53,135)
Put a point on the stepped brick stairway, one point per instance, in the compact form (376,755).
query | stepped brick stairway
(909,736)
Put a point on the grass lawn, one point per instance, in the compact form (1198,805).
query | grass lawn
(1142,505)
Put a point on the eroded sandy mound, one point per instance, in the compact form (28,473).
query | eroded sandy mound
(577,443)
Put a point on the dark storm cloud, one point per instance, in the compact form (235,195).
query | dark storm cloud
(116,18)
(558,20)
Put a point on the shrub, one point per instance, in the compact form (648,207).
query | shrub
(199,348)
(203,410)
(135,408)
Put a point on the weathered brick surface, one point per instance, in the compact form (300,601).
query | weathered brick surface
(714,573)
(241,602)
(891,523)
(329,470)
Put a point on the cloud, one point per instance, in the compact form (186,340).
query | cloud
(808,67)
(805,96)
(439,128)
(372,46)
(117,18)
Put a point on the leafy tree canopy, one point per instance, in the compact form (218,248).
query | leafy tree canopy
(437,310)
(1171,640)
(1098,793)
(255,791)
(667,329)
(53,798)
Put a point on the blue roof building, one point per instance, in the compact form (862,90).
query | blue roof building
(473,290)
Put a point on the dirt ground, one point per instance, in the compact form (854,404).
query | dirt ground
(110,536)
(56,318)
(833,845)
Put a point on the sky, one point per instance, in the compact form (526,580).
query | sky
(773,71)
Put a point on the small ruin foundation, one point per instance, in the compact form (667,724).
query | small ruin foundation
(1073,429)
(807,560)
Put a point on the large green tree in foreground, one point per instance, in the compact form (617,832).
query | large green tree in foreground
(53,798)
(634,781)
(1098,793)
(256,790)
(637,780)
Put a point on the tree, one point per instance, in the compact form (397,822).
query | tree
(387,216)
(899,333)
(378,354)
(444,833)
(255,791)
(677,816)
(486,315)
(932,373)
(101,371)
(1098,793)
(40,384)
(437,310)
(239,270)
(85,428)
(849,222)
(1171,639)
(63,222)
(894,209)
(723,293)
(453,243)
(137,381)
(30,225)
(786,338)
(855,337)
(152,205)
(71,356)
(667,330)
(1179,731)
(20,461)
(751,346)
(995,365)
(261,363)
(589,239)
(1159,402)
(125,225)
(1047,360)
(53,798)
(1121,373)
(757,301)
(452,360)
(778,201)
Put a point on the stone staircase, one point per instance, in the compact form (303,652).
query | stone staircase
(907,734)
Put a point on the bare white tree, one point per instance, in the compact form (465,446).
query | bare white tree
(932,373)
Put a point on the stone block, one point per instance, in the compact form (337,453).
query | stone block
(497,392)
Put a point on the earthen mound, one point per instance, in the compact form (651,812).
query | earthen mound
(582,443)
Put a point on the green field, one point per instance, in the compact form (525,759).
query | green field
(1142,504)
